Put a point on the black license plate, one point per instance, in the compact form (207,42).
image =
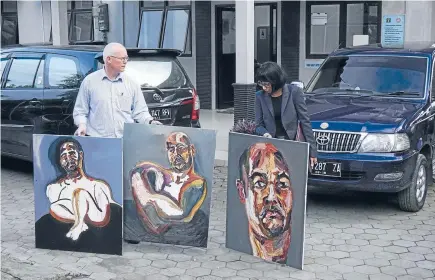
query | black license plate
(330,169)
(161,113)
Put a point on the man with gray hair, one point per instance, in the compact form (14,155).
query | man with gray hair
(108,98)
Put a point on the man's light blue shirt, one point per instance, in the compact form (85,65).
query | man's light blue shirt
(104,105)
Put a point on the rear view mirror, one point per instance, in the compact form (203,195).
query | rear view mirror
(298,84)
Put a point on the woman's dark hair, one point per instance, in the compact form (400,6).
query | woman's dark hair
(271,72)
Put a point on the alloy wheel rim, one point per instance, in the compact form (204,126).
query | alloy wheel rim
(421,183)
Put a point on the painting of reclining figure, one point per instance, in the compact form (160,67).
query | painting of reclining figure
(78,193)
(266,198)
(167,184)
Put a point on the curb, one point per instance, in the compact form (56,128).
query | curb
(220,163)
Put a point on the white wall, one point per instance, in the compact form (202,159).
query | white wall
(419,27)
(419,18)
(31,22)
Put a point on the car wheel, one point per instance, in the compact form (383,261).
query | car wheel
(412,199)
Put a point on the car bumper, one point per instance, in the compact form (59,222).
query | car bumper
(372,173)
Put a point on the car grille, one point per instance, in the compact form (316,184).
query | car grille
(336,141)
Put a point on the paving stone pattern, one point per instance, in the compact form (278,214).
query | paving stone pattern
(357,236)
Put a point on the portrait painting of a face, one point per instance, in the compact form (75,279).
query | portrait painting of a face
(167,184)
(266,198)
(78,193)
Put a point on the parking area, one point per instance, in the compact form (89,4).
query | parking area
(353,236)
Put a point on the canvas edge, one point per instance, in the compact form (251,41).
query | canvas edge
(307,145)
(305,211)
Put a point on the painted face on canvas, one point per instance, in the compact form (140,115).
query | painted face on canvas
(69,156)
(269,196)
(180,152)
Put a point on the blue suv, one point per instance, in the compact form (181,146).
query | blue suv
(372,111)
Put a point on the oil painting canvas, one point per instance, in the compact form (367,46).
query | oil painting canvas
(168,177)
(78,193)
(266,198)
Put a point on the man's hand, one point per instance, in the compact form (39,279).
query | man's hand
(81,131)
(313,161)
(267,135)
(156,122)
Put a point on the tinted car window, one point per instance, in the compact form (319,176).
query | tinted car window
(62,72)
(22,73)
(161,72)
(4,61)
(381,74)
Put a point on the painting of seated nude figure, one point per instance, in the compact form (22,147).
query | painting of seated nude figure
(76,191)
(168,200)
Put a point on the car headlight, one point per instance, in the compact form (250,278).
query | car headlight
(384,143)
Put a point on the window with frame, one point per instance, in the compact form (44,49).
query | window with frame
(9,23)
(22,72)
(333,24)
(166,24)
(80,21)
(4,60)
(63,73)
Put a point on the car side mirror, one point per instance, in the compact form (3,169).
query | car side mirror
(298,84)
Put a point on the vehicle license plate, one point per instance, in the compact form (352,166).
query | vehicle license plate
(330,169)
(161,113)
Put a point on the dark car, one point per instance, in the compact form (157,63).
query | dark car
(40,83)
(372,111)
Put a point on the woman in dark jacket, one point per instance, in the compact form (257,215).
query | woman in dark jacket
(280,107)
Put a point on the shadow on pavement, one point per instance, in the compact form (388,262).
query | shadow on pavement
(16,165)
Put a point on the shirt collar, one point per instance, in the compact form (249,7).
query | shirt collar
(104,75)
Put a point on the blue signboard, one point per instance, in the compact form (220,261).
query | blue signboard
(393,31)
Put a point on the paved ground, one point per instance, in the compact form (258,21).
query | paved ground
(347,237)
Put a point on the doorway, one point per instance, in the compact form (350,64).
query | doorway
(265,41)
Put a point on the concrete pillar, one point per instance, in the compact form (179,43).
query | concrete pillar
(244,88)
(59,22)
(30,23)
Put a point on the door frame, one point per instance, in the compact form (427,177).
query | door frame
(217,44)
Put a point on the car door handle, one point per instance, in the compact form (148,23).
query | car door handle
(35,103)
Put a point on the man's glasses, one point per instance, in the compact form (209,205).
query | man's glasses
(263,84)
(123,59)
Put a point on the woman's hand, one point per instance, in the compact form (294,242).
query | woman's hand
(313,161)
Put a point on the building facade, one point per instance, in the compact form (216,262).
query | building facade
(221,40)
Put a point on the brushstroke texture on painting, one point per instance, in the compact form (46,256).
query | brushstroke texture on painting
(266,192)
(76,198)
(168,183)
(266,198)
(173,195)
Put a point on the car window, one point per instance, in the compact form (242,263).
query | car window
(62,72)
(4,60)
(381,74)
(158,71)
(22,72)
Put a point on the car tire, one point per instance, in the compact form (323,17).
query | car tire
(413,198)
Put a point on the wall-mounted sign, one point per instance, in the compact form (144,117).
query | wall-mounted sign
(263,34)
(313,63)
(319,18)
(393,31)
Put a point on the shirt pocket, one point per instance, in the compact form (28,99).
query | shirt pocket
(125,102)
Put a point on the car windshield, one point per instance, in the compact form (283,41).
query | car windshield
(155,72)
(371,75)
